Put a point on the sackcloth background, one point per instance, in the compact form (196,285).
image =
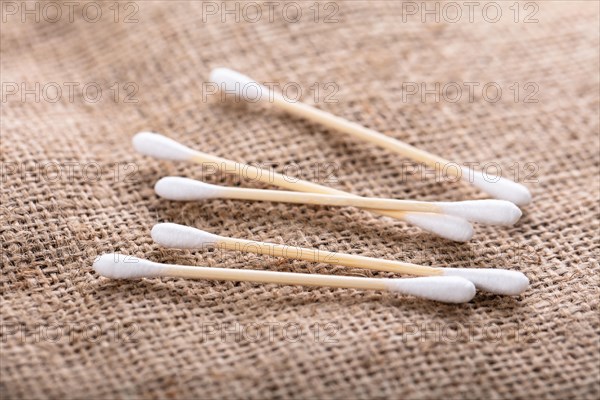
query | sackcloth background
(73,188)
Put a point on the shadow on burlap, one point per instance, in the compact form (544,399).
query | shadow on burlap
(72,188)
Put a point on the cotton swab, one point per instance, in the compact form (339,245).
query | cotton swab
(249,89)
(499,281)
(161,147)
(496,212)
(444,289)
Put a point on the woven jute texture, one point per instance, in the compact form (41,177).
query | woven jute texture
(77,86)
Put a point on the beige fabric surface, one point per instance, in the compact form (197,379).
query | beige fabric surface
(73,188)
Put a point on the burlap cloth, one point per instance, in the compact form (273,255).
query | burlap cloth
(73,188)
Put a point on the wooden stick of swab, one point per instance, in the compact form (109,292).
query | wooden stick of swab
(444,289)
(249,89)
(499,281)
(495,212)
(161,147)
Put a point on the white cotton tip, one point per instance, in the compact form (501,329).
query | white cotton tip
(240,84)
(183,237)
(438,288)
(494,212)
(446,226)
(119,266)
(161,147)
(498,281)
(185,189)
(498,187)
